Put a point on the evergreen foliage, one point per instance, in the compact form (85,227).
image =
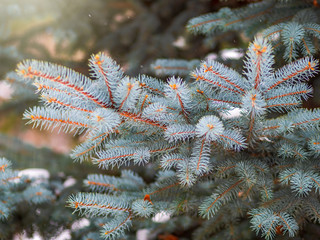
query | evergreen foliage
(224,167)
(11,182)
(16,190)
(33,200)
(292,26)
(169,147)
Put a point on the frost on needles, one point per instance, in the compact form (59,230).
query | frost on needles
(226,168)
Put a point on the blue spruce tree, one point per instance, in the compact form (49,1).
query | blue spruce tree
(177,145)
(221,167)
(16,190)
(292,26)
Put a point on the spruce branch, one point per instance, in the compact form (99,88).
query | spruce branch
(203,160)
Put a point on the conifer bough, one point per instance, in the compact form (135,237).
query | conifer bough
(225,168)
(17,189)
(292,25)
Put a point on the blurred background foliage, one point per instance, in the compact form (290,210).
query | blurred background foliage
(133,32)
